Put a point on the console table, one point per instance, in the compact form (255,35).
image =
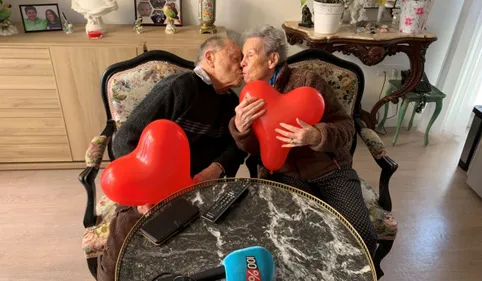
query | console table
(371,49)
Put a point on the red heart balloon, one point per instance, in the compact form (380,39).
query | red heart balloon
(158,167)
(304,103)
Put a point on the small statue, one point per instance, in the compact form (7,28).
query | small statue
(66,25)
(357,11)
(171,13)
(306,18)
(6,27)
(138,25)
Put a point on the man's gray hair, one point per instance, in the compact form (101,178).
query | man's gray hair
(274,40)
(215,43)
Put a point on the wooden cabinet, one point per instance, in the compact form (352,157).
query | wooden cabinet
(50,101)
(31,121)
(79,97)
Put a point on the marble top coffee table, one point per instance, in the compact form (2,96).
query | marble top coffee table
(307,238)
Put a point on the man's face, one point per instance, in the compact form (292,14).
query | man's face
(255,62)
(31,14)
(226,65)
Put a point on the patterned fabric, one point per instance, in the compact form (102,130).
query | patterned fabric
(373,142)
(342,81)
(95,151)
(95,237)
(126,89)
(385,224)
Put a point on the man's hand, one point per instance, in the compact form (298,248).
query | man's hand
(295,136)
(212,172)
(144,208)
(248,111)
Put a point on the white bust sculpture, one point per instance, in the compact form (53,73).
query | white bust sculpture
(93,10)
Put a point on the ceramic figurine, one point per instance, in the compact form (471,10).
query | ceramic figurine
(384,29)
(93,10)
(171,13)
(66,25)
(357,11)
(6,27)
(306,18)
(138,25)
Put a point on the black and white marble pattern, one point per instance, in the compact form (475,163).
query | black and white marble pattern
(306,240)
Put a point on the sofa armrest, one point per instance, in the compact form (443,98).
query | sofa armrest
(379,153)
(93,159)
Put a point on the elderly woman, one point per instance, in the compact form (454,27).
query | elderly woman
(320,159)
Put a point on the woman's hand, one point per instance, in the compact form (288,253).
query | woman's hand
(248,111)
(214,171)
(298,136)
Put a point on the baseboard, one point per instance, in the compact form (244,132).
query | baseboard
(46,166)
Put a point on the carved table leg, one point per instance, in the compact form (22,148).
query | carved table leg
(416,54)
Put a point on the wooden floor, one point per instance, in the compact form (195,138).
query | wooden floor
(440,217)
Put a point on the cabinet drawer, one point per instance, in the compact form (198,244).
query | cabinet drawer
(22,153)
(27,82)
(18,53)
(32,127)
(26,67)
(29,103)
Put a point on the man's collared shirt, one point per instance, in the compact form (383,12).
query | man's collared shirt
(202,74)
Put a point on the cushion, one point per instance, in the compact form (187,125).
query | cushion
(343,81)
(126,89)
(386,226)
(95,151)
(95,237)
(373,142)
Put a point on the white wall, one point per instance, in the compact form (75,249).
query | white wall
(237,15)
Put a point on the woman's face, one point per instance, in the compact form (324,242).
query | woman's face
(50,16)
(256,64)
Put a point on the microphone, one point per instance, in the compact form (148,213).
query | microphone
(248,264)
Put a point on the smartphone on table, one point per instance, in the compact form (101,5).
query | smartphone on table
(176,215)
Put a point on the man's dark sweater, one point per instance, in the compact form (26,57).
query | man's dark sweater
(202,113)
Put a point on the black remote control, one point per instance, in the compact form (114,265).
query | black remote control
(226,200)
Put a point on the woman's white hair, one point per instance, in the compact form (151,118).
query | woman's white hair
(274,40)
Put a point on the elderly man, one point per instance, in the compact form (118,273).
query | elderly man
(199,102)
(320,159)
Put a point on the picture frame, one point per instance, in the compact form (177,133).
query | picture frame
(152,12)
(41,17)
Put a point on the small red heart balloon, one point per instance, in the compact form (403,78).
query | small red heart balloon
(304,103)
(158,167)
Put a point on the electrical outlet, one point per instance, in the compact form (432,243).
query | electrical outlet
(391,71)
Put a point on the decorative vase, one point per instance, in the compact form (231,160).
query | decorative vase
(327,17)
(414,15)
(207,16)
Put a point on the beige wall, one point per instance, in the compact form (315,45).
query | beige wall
(237,15)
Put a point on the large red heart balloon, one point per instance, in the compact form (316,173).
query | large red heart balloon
(158,167)
(304,103)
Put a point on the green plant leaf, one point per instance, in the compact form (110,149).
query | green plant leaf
(302,2)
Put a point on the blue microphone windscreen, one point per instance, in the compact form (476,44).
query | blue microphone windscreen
(249,264)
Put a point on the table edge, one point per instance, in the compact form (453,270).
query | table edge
(173,196)
(333,38)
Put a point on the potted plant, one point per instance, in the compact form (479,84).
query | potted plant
(328,15)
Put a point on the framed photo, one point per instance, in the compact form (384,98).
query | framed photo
(41,17)
(152,12)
